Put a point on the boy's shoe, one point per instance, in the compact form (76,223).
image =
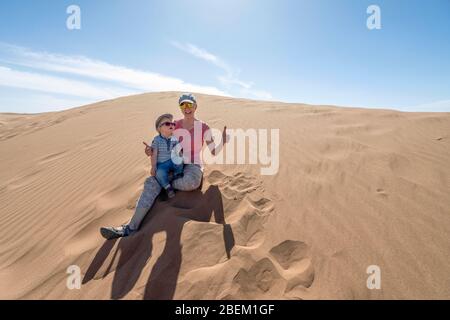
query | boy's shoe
(110,233)
(170,192)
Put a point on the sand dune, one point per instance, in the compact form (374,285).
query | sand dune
(356,187)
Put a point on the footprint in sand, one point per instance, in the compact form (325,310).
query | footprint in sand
(382,192)
(287,270)
(285,273)
(248,231)
(261,281)
(245,206)
(295,259)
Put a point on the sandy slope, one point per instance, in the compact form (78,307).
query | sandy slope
(356,187)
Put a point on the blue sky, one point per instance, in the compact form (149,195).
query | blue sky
(318,52)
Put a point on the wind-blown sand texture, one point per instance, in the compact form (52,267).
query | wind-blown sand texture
(356,187)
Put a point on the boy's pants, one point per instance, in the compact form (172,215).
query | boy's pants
(163,169)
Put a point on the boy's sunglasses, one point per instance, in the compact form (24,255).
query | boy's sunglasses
(186,105)
(168,124)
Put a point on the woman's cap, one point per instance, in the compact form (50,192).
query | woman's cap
(187,97)
(158,121)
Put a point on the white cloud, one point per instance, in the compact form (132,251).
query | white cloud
(231,76)
(75,79)
(83,66)
(199,53)
(52,84)
(111,80)
(229,80)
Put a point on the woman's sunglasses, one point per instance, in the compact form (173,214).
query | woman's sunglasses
(168,124)
(186,105)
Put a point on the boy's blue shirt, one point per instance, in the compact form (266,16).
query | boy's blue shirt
(168,148)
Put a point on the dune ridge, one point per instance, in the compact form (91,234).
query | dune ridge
(356,187)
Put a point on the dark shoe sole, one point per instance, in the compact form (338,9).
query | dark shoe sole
(109,234)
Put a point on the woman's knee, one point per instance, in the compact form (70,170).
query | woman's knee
(150,181)
(188,183)
(151,185)
(149,194)
(195,183)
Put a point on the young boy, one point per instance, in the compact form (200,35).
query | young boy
(166,156)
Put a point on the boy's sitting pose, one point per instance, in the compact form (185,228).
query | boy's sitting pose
(166,153)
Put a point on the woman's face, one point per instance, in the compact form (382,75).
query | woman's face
(188,109)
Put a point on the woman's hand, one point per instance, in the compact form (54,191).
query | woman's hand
(225,136)
(153,171)
(148,150)
(215,149)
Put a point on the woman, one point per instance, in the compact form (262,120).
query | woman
(192,137)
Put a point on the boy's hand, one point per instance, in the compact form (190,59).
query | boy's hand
(148,150)
(153,171)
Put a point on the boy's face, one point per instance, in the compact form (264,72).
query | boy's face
(166,127)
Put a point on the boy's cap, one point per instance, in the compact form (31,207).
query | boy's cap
(187,97)
(161,118)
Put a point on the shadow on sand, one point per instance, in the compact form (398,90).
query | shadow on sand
(135,251)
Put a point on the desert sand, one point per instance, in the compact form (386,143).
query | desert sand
(356,187)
